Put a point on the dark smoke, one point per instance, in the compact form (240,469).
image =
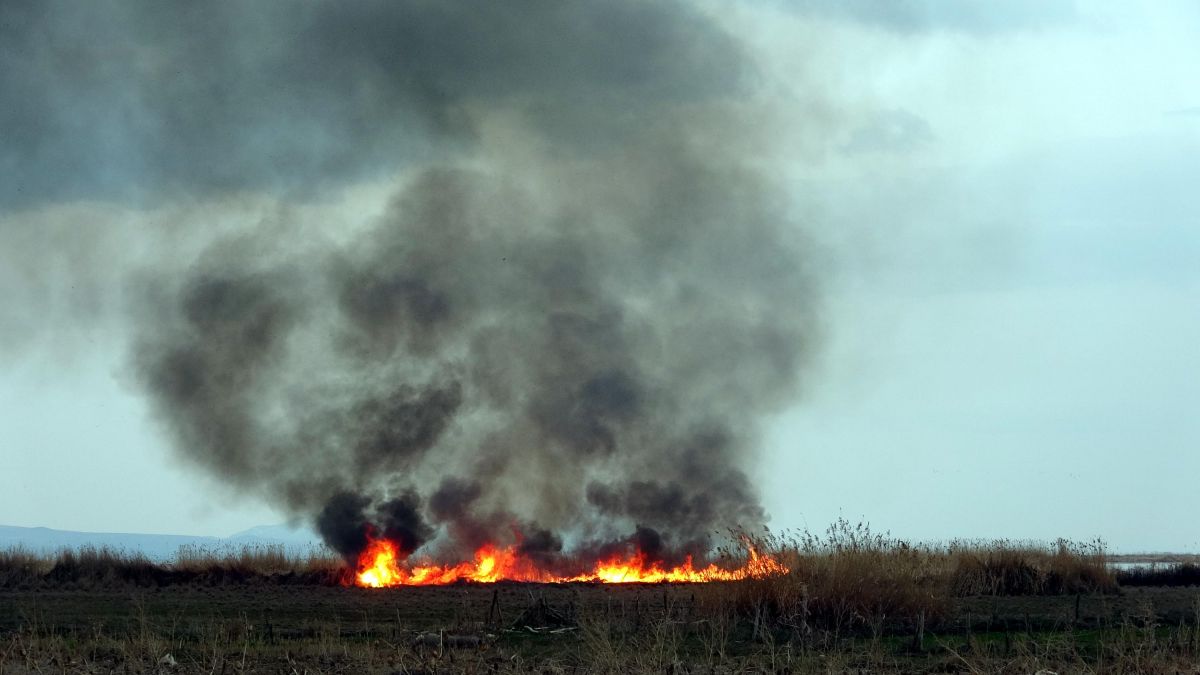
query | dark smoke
(342,523)
(541,546)
(401,521)
(345,523)
(137,99)
(562,332)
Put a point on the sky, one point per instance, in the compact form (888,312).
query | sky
(1001,203)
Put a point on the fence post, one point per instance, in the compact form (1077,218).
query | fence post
(919,635)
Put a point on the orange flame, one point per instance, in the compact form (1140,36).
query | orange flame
(380,565)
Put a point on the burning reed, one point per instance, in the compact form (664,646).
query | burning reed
(849,596)
(843,575)
(381,565)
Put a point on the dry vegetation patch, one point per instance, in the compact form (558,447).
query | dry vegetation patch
(852,600)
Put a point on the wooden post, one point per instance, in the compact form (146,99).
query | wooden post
(493,616)
(919,634)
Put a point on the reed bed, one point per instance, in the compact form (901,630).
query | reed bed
(1161,574)
(853,600)
(91,566)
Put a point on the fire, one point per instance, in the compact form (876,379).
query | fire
(380,565)
(636,569)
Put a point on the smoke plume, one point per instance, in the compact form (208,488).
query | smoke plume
(563,331)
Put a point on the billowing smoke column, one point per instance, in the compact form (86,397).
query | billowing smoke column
(561,334)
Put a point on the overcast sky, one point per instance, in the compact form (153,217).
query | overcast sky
(1003,200)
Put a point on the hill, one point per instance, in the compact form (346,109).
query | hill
(156,546)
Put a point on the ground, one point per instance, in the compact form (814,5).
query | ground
(263,627)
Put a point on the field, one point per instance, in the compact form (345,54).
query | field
(853,602)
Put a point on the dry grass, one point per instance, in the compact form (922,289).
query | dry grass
(90,567)
(854,600)
(19,566)
(1003,568)
(665,640)
(257,560)
(1180,574)
(850,580)
(847,577)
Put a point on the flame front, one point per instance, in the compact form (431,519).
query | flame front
(380,565)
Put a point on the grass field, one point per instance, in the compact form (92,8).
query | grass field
(854,601)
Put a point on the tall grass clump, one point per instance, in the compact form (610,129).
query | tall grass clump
(257,560)
(1005,568)
(20,567)
(89,566)
(852,580)
(101,566)
(848,579)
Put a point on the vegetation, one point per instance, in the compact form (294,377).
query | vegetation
(92,567)
(1183,574)
(854,600)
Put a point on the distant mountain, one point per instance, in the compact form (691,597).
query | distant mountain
(157,546)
